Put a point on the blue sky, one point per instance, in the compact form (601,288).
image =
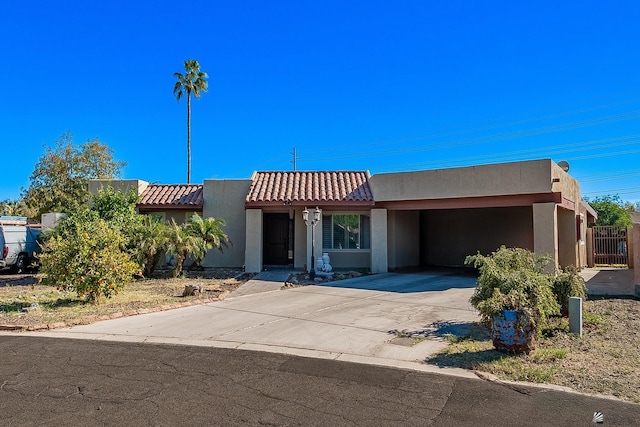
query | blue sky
(377,85)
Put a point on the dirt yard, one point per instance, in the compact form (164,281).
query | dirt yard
(24,303)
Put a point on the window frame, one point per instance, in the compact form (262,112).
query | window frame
(361,233)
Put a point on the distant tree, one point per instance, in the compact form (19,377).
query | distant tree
(192,81)
(612,210)
(12,208)
(59,181)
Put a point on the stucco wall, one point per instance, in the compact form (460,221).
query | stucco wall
(449,235)
(253,241)
(348,259)
(403,239)
(300,259)
(566,184)
(487,180)
(567,238)
(225,199)
(545,228)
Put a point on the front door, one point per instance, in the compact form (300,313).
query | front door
(276,239)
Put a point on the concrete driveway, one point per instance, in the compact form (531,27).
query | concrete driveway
(347,320)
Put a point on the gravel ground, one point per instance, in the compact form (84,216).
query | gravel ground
(604,361)
(26,304)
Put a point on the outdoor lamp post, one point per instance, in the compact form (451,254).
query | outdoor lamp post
(312,223)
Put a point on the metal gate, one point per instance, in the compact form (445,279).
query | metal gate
(610,245)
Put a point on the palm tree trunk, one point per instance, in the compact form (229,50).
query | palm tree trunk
(188,137)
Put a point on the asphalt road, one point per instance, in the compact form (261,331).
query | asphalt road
(56,382)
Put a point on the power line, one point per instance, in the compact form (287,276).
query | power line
(484,139)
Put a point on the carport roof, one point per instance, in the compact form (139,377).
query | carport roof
(330,188)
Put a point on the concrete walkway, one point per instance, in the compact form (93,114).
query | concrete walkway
(609,281)
(265,281)
(354,320)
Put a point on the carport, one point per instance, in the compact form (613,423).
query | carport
(437,218)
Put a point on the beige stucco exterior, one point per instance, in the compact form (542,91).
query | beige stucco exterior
(534,204)
(224,199)
(475,181)
(435,217)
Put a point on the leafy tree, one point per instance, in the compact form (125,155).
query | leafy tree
(87,255)
(118,208)
(208,235)
(192,81)
(12,208)
(612,210)
(59,181)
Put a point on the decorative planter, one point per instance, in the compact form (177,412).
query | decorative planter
(509,335)
(325,258)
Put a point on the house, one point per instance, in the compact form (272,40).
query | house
(392,221)
(176,202)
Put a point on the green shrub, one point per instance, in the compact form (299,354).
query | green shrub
(207,234)
(514,279)
(149,239)
(88,256)
(568,284)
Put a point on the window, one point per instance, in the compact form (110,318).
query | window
(346,231)
(157,216)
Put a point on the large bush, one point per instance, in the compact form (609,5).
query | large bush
(514,279)
(98,247)
(92,250)
(87,255)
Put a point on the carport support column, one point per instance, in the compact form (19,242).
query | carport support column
(379,260)
(545,231)
(253,248)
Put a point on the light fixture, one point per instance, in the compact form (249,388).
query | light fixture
(312,223)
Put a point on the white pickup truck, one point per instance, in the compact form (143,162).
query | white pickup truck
(18,243)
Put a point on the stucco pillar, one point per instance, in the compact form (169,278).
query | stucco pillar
(568,242)
(253,247)
(545,231)
(379,260)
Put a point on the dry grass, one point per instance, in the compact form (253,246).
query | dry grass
(18,294)
(606,360)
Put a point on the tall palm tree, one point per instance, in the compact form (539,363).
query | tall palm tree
(192,81)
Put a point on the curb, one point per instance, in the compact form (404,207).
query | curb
(116,315)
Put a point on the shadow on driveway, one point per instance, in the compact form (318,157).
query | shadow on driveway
(410,282)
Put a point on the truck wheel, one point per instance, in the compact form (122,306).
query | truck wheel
(22,263)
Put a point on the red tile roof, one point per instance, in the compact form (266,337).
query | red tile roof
(341,188)
(177,196)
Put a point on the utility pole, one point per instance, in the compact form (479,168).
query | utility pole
(295,158)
